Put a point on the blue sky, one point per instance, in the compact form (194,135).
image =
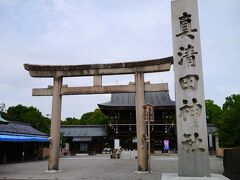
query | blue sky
(106,31)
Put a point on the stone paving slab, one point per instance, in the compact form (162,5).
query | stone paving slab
(99,167)
(174,176)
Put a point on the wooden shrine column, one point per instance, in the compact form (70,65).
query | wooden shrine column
(54,149)
(140,123)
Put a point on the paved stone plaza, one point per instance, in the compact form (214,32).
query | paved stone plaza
(99,167)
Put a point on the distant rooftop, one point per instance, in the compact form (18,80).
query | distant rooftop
(127,100)
(84,130)
(3,121)
(20,128)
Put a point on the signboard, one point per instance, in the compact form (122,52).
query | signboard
(116,144)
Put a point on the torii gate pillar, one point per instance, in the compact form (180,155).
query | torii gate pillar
(53,163)
(140,123)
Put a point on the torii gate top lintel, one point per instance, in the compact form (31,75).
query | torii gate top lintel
(154,65)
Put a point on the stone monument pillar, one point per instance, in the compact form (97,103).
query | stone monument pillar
(193,160)
(54,149)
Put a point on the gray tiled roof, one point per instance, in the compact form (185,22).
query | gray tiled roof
(84,131)
(159,99)
(19,128)
(2,121)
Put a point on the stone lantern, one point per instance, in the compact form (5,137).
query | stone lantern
(149,117)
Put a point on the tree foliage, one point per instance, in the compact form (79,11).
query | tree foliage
(34,117)
(96,117)
(29,115)
(89,118)
(71,121)
(229,126)
(213,112)
(2,107)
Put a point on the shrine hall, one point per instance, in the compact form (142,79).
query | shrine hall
(121,110)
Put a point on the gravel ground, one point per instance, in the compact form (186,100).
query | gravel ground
(99,167)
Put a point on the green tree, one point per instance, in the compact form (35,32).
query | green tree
(213,112)
(229,126)
(90,118)
(29,115)
(2,107)
(93,118)
(71,121)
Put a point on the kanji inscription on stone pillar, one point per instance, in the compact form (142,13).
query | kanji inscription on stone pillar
(190,103)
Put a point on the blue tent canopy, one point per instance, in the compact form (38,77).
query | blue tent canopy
(21,138)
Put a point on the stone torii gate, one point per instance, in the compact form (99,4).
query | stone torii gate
(97,71)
